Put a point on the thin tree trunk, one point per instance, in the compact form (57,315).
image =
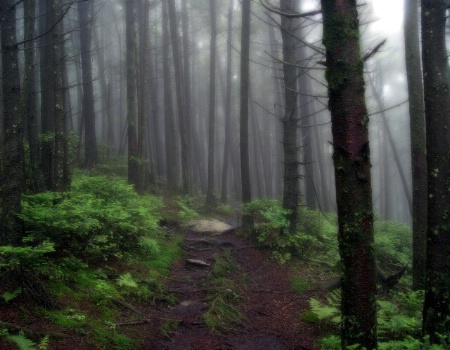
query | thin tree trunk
(60,171)
(418,140)
(227,136)
(47,97)
(29,98)
(210,198)
(12,171)
(178,65)
(133,153)
(88,112)
(291,186)
(247,221)
(169,122)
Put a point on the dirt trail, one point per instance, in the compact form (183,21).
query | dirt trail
(271,310)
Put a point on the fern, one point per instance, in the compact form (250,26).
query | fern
(22,341)
(126,280)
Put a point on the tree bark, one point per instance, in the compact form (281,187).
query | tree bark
(418,140)
(169,122)
(247,222)
(60,170)
(178,65)
(130,33)
(352,171)
(291,177)
(88,112)
(437,109)
(29,98)
(12,171)
(210,197)
(227,101)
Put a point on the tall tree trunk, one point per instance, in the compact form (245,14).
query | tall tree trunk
(418,140)
(210,198)
(12,171)
(291,186)
(178,65)
(133,154)
(227,101)
(29,98)
(169,122)
(88,112)
(47,96)
(60,170)
(247,221)
(143,20)
(350,119)
(437,110)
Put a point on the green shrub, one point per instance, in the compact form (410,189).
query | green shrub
(101,217)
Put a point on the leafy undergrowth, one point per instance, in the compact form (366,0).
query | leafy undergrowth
(91,253)
(85,255)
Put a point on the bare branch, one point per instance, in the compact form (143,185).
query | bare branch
(273,9)
(374,50)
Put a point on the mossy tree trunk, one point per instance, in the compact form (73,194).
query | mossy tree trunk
(210,197)
(437,111)
(12,167)
(352,171)
(247,221)
(291,185)
(418,140)
(88,111)
(133,154)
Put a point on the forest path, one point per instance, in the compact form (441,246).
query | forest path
(238,273)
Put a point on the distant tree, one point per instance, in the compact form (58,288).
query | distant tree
(436,318)
(47,106)
(145,174)
(12,169)
(181,102)
(418,140)
(291,177)
(227,101)
(60,171)
(29,98)
(210,198)
(88,112)
(169,117)
(350,120)
(130,34)
(247,223)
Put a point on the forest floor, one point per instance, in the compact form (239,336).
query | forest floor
(241,300)
(248,278)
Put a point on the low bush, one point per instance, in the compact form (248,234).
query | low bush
(100,218)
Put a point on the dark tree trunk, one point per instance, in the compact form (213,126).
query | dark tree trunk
(144,168)
(29,99)
(88,112)
(418,140)
(352,171)
(47,61)
(437,110)
(133,154)
(178,65)
(60,170)
(227,101)
(12,171)
(247,221)
(210,198)
(291,186)
(169,122)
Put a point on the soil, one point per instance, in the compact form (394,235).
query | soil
(271,309)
